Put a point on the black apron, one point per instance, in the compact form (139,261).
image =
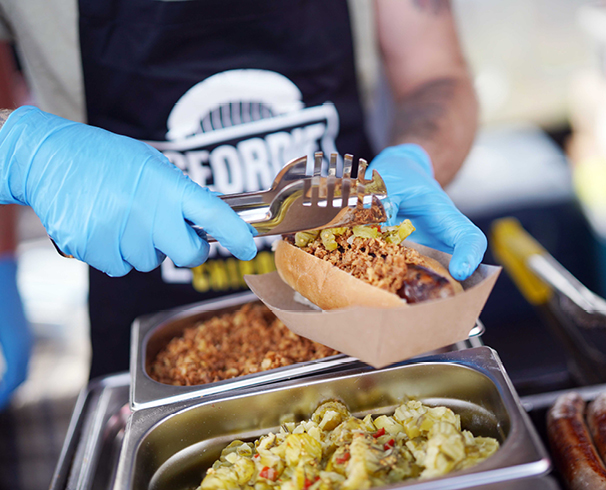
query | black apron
(229,91)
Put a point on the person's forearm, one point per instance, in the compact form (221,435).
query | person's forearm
(435,103)
(7,82)
(8,213)
(8,234)
(440,115)
(4,113)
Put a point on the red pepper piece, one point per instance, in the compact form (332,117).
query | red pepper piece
(308,483)
(268,473)
(389,444)
(379,433)
(343,458)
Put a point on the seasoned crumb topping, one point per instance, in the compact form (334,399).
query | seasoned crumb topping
(373,260)
(246,341)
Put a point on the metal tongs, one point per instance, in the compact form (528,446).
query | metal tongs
(575,314)
(541,278)
(299,202)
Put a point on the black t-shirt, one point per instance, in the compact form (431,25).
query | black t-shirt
(229,91)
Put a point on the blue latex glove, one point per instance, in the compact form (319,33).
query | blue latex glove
(108,200)
(415,194)
(15,337)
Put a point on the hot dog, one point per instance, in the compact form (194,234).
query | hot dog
(361,266)
(571,445)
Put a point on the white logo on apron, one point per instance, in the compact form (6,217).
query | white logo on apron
(235,130)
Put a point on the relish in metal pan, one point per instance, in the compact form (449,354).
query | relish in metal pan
(335,450)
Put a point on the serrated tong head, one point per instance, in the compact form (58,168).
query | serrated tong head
(300,200)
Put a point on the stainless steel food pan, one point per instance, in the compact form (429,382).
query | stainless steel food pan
(151,333)
(90,453)
(171,446)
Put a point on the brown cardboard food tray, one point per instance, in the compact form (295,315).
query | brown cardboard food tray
(382,336)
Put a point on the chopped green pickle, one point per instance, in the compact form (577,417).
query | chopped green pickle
(397,234)
(328,239)
(366,231)
(304,238)
(335,450)
(391,234)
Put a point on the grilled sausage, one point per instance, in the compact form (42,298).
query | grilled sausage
(422,284)
(596,421)
(572,449)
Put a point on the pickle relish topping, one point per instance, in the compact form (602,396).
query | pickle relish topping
(336,450)
(391,234)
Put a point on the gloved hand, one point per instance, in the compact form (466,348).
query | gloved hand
(15,337)
(108,200)
(415,194)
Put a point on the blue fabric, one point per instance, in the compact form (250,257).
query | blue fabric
(108,200)
(416,195)
(15,337)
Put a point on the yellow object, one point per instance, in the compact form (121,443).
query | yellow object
(512,246)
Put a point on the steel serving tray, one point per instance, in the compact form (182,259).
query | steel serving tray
(90,453)
(171,446)
(151,333)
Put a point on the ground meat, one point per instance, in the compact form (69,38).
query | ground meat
(246,341)
(372,260)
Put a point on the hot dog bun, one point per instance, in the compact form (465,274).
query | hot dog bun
(329,287)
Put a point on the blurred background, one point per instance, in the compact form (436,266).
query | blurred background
(540,156)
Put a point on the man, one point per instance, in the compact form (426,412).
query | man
(228,92)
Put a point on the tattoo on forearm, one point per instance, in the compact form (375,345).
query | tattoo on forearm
(420,113)
(433,6)
(4,113)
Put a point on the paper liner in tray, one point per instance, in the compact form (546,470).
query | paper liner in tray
(382,336)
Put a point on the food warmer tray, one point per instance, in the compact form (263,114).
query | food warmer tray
(151,333)
(170,446)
